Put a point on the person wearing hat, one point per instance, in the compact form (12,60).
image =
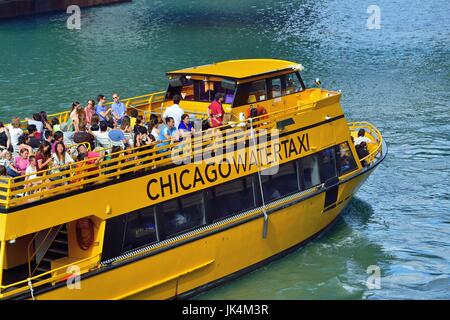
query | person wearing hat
(117,138)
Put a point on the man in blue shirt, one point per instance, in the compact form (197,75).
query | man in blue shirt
(168,132)
(101,110)
(118,109)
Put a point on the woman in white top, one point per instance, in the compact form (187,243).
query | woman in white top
(153,126)
(61,161)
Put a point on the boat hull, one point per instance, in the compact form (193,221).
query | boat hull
(201,263)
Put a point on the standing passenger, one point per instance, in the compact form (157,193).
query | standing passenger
(174,111)
(215,110)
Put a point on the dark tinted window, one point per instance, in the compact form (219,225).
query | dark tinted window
(310,171)
(293,83)
(180,214)
(140,229)
(345,161)
(230,198)
(113,239)
(281,183)
(248,93)
(327,164)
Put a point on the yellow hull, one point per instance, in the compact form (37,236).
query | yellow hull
(207,261)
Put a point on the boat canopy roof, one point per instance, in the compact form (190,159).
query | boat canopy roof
(240,69)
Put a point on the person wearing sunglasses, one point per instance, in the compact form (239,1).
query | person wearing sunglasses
(118,109)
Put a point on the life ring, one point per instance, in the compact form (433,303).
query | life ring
(85,233)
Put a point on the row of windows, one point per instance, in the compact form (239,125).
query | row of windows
(246,93)
(164,220)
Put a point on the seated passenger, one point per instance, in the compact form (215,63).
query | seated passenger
(152,126)
(36,121)
(215,111)
(117,138)
(168,132)
(33,141)
(95,123)
(24,143)
(133,117)
(61,161)
(362,138)
(361,150)
(102,136)
(56,125)
(174,111)
(83,136)
(58,136)
(21,162)
(185,126)
(138,124)
(103,112)
(31,171)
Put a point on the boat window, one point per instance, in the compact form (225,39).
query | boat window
(276,87)
(113,239)
(327,160)
(310,171)
(281,183)
(257,91)
(293,83)
(186,91)
(345,161)
(228,93)
(230,198)
(204,90)
(180,214)
(140,229)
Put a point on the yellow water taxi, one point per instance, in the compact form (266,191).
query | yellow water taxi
(169,221)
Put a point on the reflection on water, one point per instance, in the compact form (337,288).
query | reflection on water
(396,77)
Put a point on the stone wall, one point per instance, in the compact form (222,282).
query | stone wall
(15,8)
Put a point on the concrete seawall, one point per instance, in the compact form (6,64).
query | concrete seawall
(15,8)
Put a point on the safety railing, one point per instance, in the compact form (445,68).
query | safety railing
(130,103)
(54,276)
(377,138)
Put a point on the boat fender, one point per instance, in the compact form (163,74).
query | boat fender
(85,233)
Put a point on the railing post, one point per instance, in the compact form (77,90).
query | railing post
(8,193)
(2,259)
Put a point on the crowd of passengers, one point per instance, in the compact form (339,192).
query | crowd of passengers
(45,145)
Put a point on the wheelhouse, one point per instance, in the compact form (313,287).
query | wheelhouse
(265,82)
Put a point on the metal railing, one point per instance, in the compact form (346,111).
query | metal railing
(376,137)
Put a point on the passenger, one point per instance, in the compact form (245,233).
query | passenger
(138,124)
(5,139)
(33,142)
(141,138)
(118,109)
(24,143)
(174,111)
(126,129)
(61,161)
(362,138)
(48,136)
(86,158)
(95,123)
(21,163)
(31,169)
(89,111)
(152,126)
(44,156)
(45,122)
(361,150)
(117,138)
(84,136)
(37,122)
(9,165)
(102,137)
(133,117)
(15,132)
(56,125)
(168,132)
(77,115)
(3,180)
(215,111)
(185,128)
(57,137)
(103,112)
